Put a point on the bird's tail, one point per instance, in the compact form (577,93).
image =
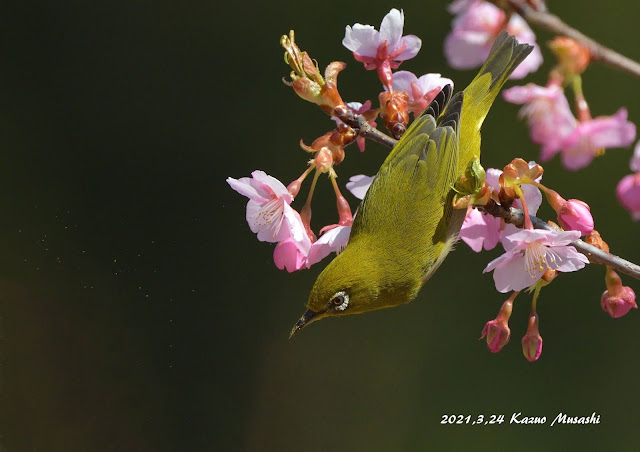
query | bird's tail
(506,54)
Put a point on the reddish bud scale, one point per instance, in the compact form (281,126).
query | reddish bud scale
(394,110)
(572,56)
(596,240)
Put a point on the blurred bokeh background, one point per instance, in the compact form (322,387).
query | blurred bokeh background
(137,310)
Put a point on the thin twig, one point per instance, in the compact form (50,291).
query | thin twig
(363,128)
(595,255)
(556,25)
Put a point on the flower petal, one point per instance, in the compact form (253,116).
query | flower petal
(412,46)
(288,254)
(361,39)
(334,240)
(359,184)
(572,260)
(515,276)
(278,188)
(480,230)
(391,29)
(249,188)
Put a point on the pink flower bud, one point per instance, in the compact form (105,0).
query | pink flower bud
(497,331)
(497,334)
(618,305)
(575,215)
(628,191)
(532,341)
(617,300)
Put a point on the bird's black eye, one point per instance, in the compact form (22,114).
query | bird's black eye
(340,301)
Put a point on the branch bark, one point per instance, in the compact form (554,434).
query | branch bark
(363,128)
(553,23)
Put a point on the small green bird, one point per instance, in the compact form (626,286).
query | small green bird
(406,224)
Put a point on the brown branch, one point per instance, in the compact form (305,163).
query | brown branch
(595,255)
(554,24)
(363,128)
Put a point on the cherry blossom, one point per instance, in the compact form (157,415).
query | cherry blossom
(481,230)
(547,112)
(332,241)
(628,191)
(475,28)
(268,211)
(292,255)
(382,50)
(529,252)
(422,90)
(590,137)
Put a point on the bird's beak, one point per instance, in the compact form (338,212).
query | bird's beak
(308,317)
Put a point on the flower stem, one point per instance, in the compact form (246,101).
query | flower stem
(305,213)
(527,220)
(344,210)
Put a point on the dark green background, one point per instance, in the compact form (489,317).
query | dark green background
(137,310)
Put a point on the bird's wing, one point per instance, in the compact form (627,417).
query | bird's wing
(415,182)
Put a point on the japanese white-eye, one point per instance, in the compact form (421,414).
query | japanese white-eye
(406,224)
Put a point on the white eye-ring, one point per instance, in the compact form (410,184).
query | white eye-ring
(340,301)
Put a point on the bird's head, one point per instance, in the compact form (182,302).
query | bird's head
(356,281)
(341,289)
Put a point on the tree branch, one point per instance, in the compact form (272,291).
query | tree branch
(363,128)
(554,24)
(594,254)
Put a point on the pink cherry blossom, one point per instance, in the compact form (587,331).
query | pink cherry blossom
(480,230)
(292,255)
(359,184)
(590,137)
(422,90)
(268,211)
(635,159)
(547,112)
(382,50)
(332,241)
(529,252)
(628,191)
(476,27)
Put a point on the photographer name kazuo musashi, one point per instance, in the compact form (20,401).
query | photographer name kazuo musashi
(561,418)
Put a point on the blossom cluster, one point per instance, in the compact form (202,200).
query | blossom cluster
(532,258)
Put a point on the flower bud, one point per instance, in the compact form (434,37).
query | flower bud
(618,305)
(497,331)
(394,111)
(575,215)
(572,56)
(532,341)
(628,191)
(617,300)
(307,81)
